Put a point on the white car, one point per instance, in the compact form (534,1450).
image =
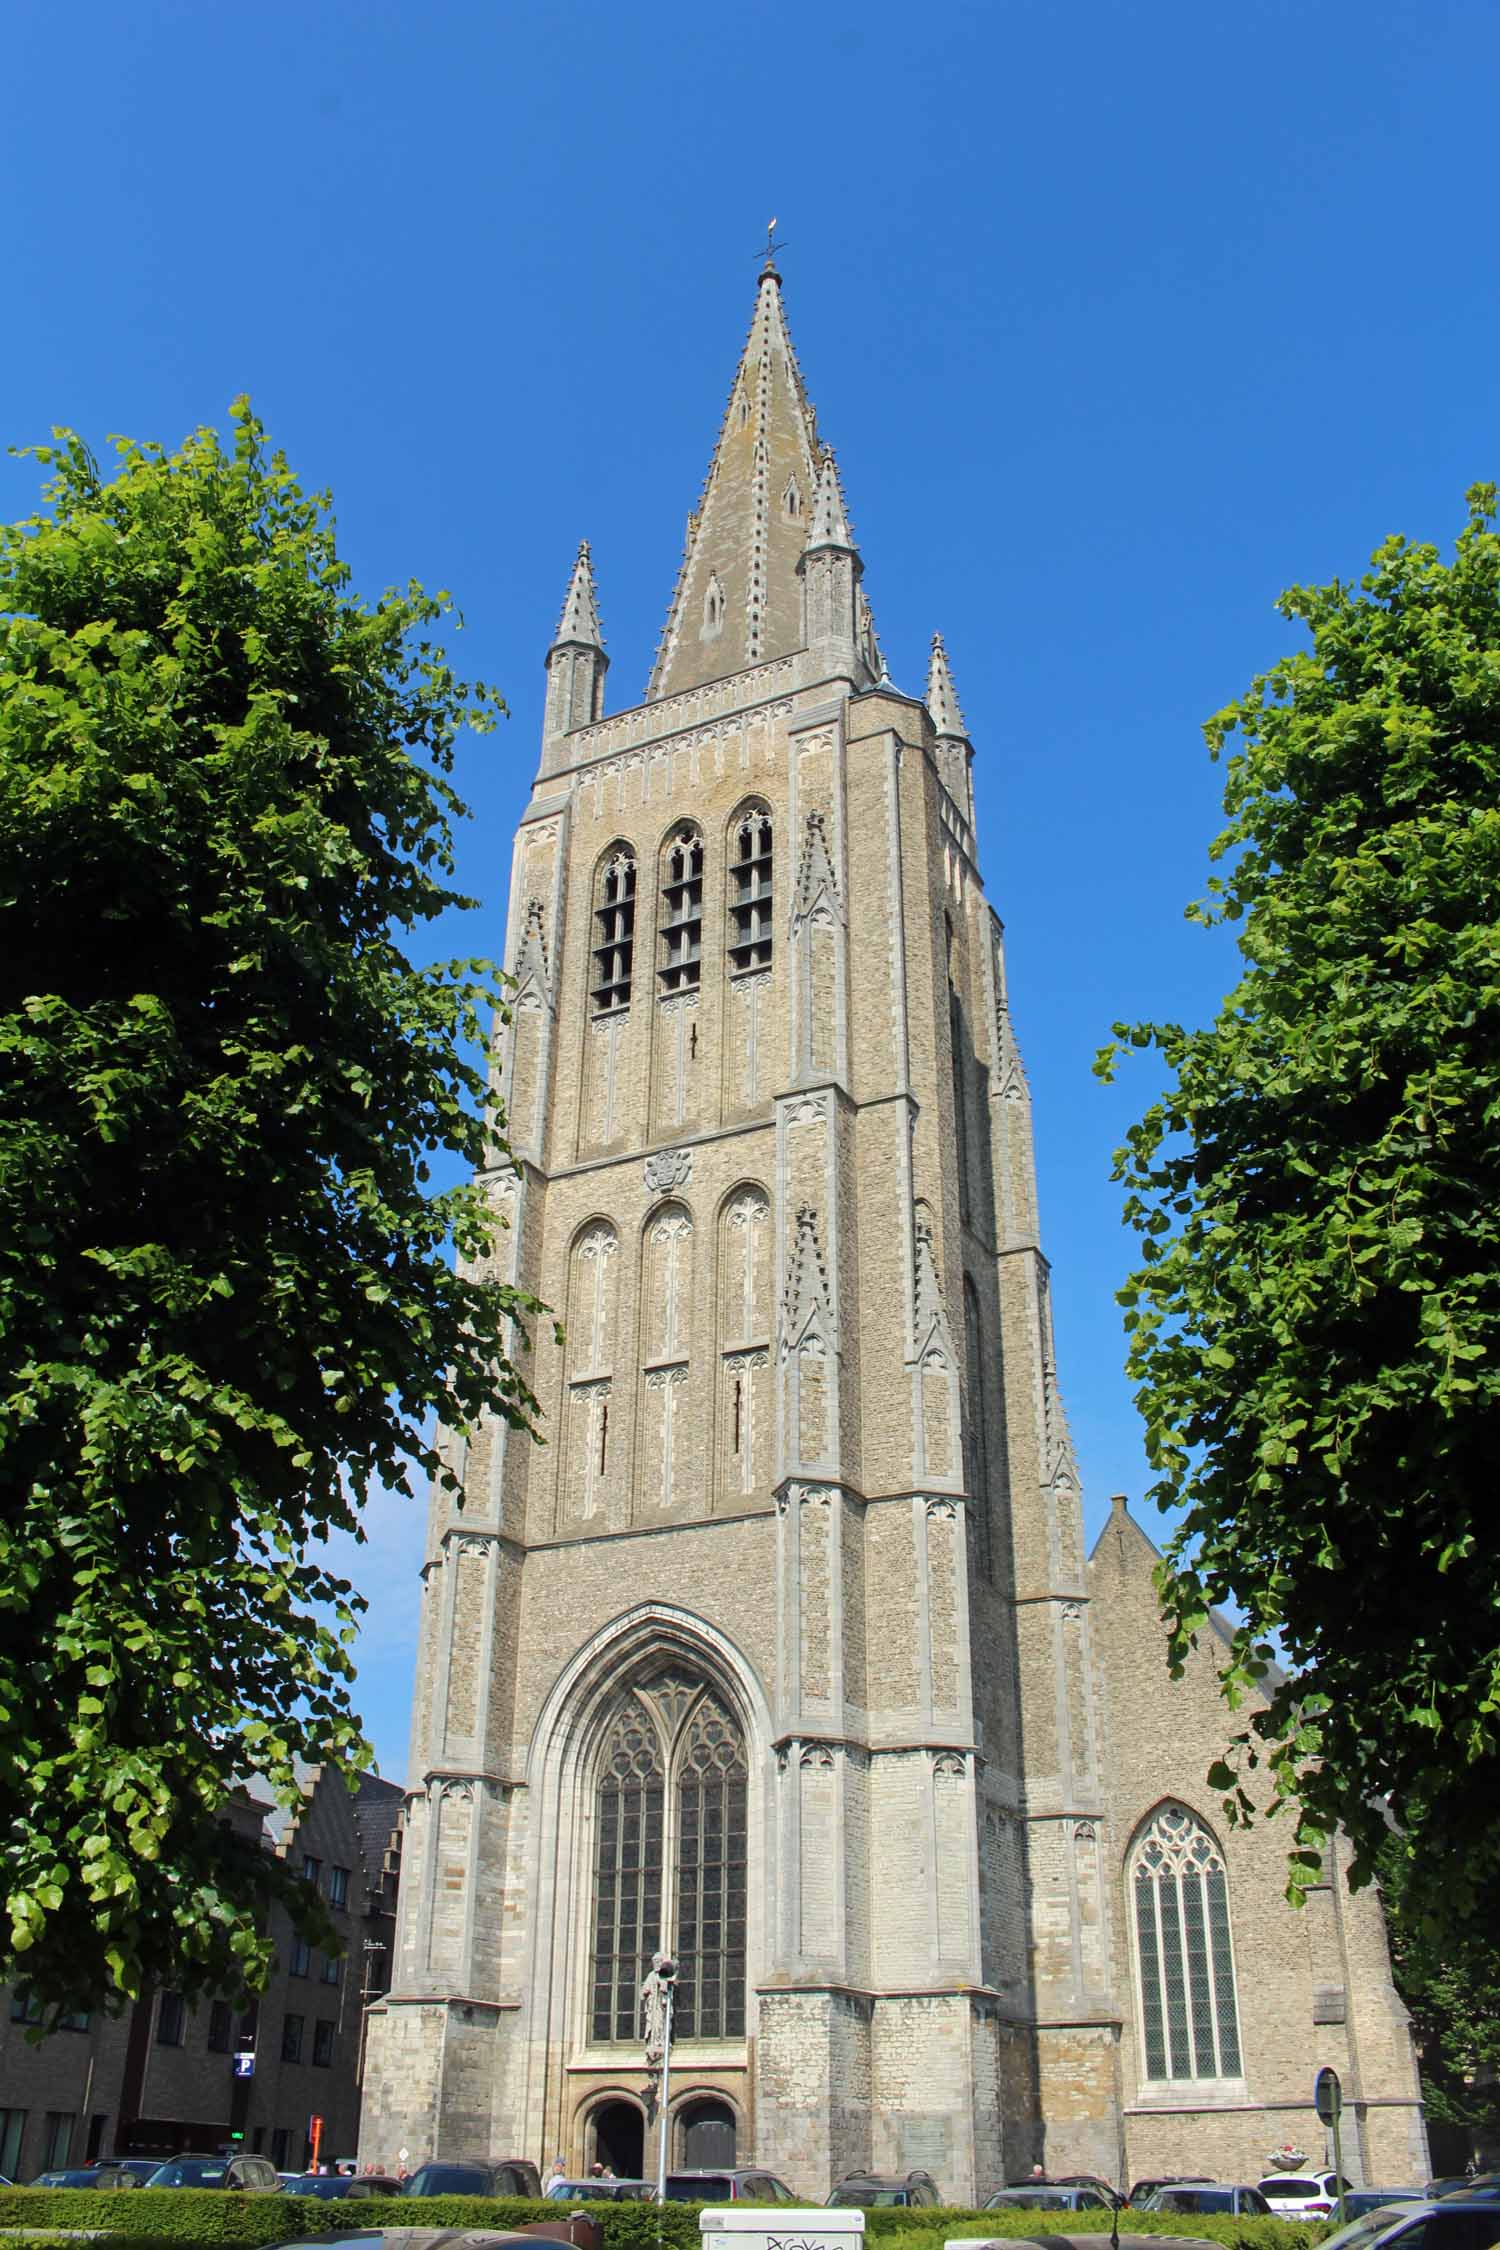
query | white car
(1301,2195)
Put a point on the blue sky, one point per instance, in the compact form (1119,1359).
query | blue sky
(1119,317)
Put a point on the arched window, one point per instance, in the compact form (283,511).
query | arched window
(627,1869)
(1189,2017)
(682,911)
(614,924)
(670,1858)
(750,890)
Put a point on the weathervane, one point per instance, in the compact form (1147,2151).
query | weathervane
(772,246)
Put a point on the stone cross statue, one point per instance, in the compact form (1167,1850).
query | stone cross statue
(654,1993)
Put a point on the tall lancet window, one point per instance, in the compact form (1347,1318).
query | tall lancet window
(614,932)
(682,911)
(1189,2015)
(670,1872)
(750,890)
(628,1812)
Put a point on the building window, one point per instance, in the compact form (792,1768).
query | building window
(301,1961)
(12,2128)
(323,2044)
(1189,2017)
(338,1886)
(291,2038)
(330,1968)
(25,2007)
(312,1870)
(670,1852)
(220,2027)
(750,891)
(628,1813)
(614,934)
(77,2021)
(682,911)
(171,2020)
(711,1877)
(58,2140)
(280,2138)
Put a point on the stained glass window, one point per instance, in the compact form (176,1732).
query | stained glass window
(670,1859)
(1189,2016)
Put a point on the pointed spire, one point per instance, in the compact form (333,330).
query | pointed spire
(830,523)
(576,664)
(739,594)
(942,696)
(580,611)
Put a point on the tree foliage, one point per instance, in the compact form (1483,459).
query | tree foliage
(1315,1324)
(1450,1981)
(226,1302)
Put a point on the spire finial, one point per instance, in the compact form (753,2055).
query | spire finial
(768,255)
(830,525)
(580,610)
(942,696)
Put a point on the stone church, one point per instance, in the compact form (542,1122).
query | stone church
(784,1654)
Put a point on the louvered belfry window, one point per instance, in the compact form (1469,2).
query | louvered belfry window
(614,931)
(682,912)
(1189,2013)
(750,871)
(670,1848)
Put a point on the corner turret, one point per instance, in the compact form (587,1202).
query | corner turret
(835,620)
(576,664)
(955,752)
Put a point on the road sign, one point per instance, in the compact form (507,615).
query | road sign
(244,2063)
(1328,2096)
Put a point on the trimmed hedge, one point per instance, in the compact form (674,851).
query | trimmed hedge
(205,2218)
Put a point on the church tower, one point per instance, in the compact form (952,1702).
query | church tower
(777,1654)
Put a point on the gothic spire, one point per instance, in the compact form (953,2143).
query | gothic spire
(576,665)
(738,599)
(579,622)
(830,523)
(942,697)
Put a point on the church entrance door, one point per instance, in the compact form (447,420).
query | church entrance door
(707,2130)
(619,2133)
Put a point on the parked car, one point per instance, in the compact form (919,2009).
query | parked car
(140,2168)
(1460,2222)
(1359,2202)
(1048,2195)
(250,2175)
(1187,2195)
(477,2175)
(1111,2195)
(1140,2189)
(89,2175)
(728,2183)
(1461,2183)
(611,2189)
(875,2191)
(336,2187)
(1301,2195)
(1367,2227)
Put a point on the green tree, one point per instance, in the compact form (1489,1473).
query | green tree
(1315,1324)
(226,1302)
(1450,1980)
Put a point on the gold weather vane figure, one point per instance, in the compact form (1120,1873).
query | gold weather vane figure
(772,246)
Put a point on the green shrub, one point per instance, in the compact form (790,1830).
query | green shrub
(204,2218)
(913,2230)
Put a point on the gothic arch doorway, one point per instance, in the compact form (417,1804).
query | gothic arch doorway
(617,2132)
(705,2134)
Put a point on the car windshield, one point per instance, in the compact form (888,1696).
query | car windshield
(1291,2185)
(448,2179)
(209,2172)
(1363,2230)
(858,2198)
(318,2183)
(1032,2199)
(699,2187)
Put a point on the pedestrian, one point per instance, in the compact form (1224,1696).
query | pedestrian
(1038,2172)
(557,2178)
(596,2171)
